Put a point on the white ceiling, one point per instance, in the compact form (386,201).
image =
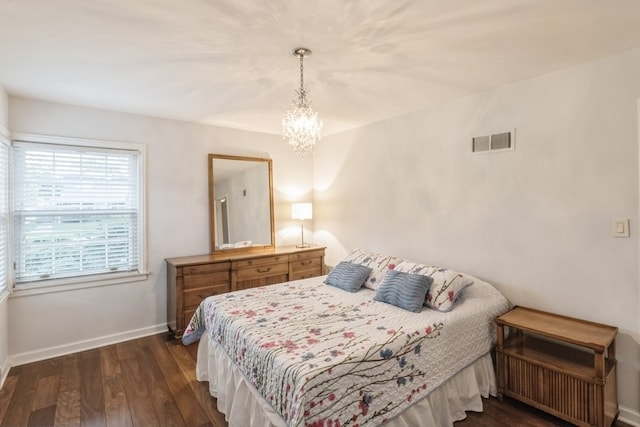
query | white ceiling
(229,62)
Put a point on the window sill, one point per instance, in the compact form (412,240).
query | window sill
(74,284)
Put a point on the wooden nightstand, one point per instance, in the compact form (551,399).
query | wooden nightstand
(561,365)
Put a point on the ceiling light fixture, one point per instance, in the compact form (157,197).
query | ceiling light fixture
(300,125)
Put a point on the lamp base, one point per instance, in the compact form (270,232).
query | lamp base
(302,243)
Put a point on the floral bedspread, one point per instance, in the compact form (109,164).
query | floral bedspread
(325,357)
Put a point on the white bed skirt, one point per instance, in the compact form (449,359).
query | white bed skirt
(243,406)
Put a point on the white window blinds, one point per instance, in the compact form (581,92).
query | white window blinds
(76,211)
(4,210)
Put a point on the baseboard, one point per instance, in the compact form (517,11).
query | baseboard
(48,353)
(4,372)
(628,416)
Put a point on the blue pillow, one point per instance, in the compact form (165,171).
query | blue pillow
(404,290)
(348,276)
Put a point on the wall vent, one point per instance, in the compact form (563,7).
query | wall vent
(495,142)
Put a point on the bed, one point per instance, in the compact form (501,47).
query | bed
(326,351)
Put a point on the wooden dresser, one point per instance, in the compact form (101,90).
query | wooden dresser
(558,364)
(193,278)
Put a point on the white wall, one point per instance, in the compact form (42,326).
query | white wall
(177,221)
(4,316)
(535,221)
(4,109)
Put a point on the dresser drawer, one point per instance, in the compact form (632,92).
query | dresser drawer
(213,278)
(255,262)
(206,268)
(262,271)
(306,264)
(305,274)
(193,297)
(307,255)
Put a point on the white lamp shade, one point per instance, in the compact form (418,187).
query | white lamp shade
(301,211)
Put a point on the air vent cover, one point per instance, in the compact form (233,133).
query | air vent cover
(481,143)
(494,142)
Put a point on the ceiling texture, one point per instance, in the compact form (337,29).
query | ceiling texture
(230,62)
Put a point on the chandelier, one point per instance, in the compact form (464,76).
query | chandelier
(300,124)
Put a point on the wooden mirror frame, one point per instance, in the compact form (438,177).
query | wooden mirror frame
(212,201)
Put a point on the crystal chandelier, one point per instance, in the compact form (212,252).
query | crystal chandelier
(300,124)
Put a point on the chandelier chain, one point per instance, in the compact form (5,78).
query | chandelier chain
(302,93)
(301,72)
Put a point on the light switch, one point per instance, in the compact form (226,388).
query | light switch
(620,227)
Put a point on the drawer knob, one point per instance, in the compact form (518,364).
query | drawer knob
(306,262)
(264,270)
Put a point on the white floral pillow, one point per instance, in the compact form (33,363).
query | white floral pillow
(446,287)
(378,263)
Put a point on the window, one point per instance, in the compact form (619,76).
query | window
(77,209)
(4,210)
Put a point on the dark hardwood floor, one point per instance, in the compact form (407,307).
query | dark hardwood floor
(151,382)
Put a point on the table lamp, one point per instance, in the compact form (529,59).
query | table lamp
(301,211)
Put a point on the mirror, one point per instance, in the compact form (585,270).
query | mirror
(240,203)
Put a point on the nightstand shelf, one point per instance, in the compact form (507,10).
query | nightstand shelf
(558,364)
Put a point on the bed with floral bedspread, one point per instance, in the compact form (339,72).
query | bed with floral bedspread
(320,355)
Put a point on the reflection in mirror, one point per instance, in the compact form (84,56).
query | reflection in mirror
(222,222)
(240,203)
